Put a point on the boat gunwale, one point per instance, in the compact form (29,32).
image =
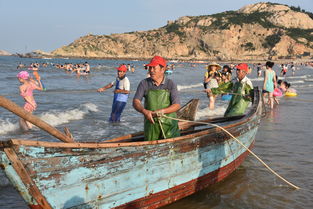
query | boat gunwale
(253,111)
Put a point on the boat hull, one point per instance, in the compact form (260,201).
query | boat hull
(147,176)
(126,174)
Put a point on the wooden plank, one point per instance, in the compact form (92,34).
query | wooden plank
(129,136)
(22,172)
(125,144)
(89,158)
(17,110)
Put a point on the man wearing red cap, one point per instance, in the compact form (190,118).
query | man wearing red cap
(241,87)
(121,92)
(161,97)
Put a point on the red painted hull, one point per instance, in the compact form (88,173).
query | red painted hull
(183,190)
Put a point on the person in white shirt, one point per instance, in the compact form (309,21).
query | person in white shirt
(121,92)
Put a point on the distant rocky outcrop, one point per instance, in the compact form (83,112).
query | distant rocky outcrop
(35,54)
(257,31)
(4,53)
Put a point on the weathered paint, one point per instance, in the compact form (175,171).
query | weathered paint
(143,176)
(15,179)
(84,175)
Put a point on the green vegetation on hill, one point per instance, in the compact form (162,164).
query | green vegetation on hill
(174,28)
(248,46)
(226,19)
(297,33)
(298,9)
(271,41)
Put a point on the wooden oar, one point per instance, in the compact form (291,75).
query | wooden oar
(14,108)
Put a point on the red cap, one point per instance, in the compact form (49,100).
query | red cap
(243,66)
(157,60)
(122,68)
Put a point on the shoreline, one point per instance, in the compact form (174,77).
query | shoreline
(187,60)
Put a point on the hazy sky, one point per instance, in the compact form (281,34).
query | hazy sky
(28,25)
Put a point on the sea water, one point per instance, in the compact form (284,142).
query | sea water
(283,139)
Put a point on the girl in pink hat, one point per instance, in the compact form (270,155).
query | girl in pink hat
(26,91)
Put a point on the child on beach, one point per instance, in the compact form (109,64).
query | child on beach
(285,86)
(226,76)
(226,73)
(277,91)
(26,91)
(210,81)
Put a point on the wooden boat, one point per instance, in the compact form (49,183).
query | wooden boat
(127,172)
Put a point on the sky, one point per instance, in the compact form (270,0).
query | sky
(28,25)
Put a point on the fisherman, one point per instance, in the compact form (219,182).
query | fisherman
(241,88)
(121,93)
(161,97)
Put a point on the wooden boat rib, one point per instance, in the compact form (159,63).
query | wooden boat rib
(125,174)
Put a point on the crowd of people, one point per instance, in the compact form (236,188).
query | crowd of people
(218,81)
(161,95)
(79,68)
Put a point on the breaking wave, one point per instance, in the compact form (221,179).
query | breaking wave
(54,117)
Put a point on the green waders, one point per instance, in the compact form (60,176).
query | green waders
(155,100)
(238,103)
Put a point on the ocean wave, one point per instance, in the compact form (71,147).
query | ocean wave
(100,67)
(53,117)
(302,86)
(7,126)
(181,87)
(296,77)
(257,79)
(293,82)
(206,112)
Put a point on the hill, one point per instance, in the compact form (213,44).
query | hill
(254,32)
(4,53)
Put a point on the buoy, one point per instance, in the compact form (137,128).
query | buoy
(290,94)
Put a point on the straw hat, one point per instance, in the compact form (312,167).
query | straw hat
(214,64)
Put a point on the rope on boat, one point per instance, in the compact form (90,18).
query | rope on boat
(160,123)
(259,159)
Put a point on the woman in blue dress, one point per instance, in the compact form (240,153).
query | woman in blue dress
(269,83)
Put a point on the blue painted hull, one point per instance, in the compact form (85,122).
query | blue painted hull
(125,175)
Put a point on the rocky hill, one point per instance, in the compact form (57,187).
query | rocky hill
(254,32)
(4,53)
